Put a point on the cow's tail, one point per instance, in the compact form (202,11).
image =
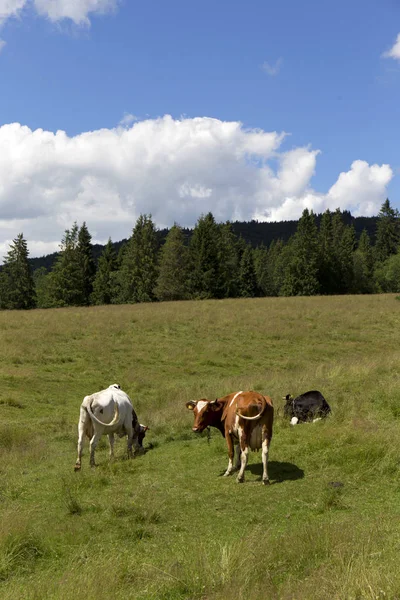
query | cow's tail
(105,425)
(256,416)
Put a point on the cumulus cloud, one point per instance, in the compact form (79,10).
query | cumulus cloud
(128,119)
(394,51)
(173,169)
(10,8)
(272,68)
(77,11)
(2,44)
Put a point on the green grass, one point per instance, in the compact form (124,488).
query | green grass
(166,525)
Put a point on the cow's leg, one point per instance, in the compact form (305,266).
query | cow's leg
(265,448)
(229,441)
(93,443)
(130,440)
(111,439)
(237,462)
(81,437)
(243,456)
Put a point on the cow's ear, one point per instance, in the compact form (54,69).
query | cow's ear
(216,404)
(190,405)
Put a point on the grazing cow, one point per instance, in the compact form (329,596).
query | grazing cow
(306,407)
(244,419)
(108,412)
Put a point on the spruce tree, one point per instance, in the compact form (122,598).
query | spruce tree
(204,260)
(17,288)
(139,269)
(261,265)
(172,282)
(103,288)
(85,253)
(388,232)
(228,262)
(247,274)
(279,256)
(363,265)
(42,279)
(66,285)
(301,275)
(326,256)
(343,244)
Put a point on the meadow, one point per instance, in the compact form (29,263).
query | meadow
(166,525)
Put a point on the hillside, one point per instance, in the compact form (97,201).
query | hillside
(166,525)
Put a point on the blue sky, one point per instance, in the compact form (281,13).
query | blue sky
(312,69)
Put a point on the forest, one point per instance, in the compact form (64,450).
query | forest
(321,255)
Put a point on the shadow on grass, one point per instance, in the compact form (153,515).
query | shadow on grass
(277,471)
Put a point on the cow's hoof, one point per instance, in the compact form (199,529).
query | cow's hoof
(266,481)
(77,468)
(240,479)
(227,473)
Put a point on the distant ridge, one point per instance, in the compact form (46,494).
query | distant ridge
(253,232)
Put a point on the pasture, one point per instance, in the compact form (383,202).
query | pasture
(166,525)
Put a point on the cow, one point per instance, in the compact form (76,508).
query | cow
(245,420)
(109,411)
(306,407)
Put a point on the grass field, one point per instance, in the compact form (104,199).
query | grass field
(166,525)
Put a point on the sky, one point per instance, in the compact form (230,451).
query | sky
(253,110)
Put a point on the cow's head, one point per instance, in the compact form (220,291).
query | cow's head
(288,409)
(142,433)
(206,413)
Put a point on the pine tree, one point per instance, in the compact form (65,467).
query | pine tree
(172,282)
(203,257)
(388,232)
(103,284)
(17,288)
(301,276)
(139,269)
(247,274)
(66,285)
(85,253)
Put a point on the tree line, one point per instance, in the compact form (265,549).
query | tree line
(322,257)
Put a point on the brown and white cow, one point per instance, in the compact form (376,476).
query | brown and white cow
(245,419)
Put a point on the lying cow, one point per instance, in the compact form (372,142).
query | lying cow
(108,412)
(306,407)
(244,419)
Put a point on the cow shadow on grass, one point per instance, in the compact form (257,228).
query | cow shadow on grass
(277,471)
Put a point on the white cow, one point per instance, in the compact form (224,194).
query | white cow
(108,412)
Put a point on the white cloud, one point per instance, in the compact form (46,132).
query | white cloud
(394,51)
(272,69)
(2,44)
(128,119)
(173,169)
(76,10)
(10,8)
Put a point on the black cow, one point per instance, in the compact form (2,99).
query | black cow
(306,407)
